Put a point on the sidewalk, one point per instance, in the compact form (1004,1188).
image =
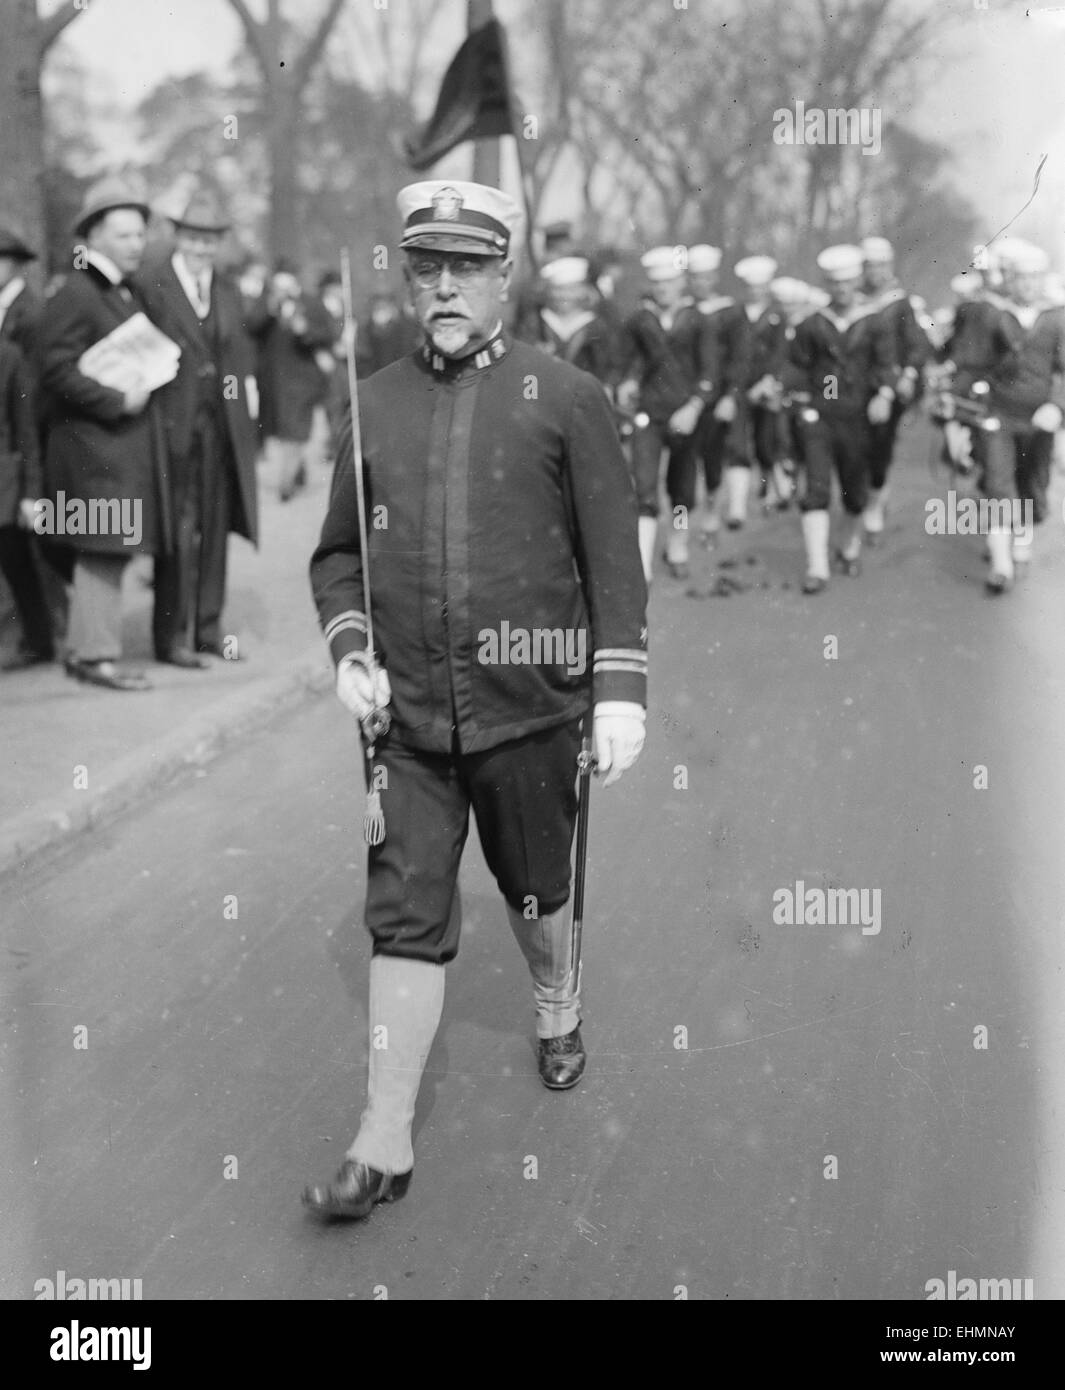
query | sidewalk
(129,743)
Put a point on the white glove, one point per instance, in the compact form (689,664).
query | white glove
(618,729)
(725,410)
(906,386)
(362,686)
(1047,417)
(684,420)
(628,395)
(27,514)
(879,409)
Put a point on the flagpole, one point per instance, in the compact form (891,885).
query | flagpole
(486,162)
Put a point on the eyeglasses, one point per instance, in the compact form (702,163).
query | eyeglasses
(464,270)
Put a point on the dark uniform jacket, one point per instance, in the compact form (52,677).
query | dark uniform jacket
(20,464)
(729,333)
(857,349)
(498,502)
(291,383)
(588,344)
(670,364)
(767,347)
(912,348)
(95,451)
(1023,366)
(216,358)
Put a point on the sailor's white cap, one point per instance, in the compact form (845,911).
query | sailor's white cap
(566,271)
(703,258)
(877,250)
(755,270)
(664,262)
(840,262)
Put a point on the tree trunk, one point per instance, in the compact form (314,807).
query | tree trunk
(22,119)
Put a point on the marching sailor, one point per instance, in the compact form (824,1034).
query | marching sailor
(507,510)
(845,364)
(721,439)
(1021,356)
(666,379)
(912,352)
(571,327)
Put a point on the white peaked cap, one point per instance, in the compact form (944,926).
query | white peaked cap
(451,215)
(817,297)
(841,262)
(964,284)
(566,271)
(1023,257)
(664,262)
(755,270)
(703,258)
(877,250)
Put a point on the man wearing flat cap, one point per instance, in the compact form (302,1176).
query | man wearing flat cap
(508,513)
(105,453)
(210,434)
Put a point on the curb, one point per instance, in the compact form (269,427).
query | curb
(25,838)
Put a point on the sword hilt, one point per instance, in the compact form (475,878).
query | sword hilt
(376,724)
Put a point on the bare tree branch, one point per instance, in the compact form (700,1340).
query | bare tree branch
(50,28)
(308,59)
(253,29)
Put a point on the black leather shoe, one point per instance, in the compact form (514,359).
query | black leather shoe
(23,660)
(354,1192)
(561,1060)
(182,656)
(105,673)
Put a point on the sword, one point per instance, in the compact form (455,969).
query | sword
(376,723)
(586,762)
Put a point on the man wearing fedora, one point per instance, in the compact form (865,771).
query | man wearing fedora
(210,434)
(105,451)
(509,510)
(23,592)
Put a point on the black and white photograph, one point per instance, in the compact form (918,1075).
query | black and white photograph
(532,663)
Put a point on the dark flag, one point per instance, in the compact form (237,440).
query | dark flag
(474,101)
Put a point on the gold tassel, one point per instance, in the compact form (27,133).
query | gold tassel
(373,822)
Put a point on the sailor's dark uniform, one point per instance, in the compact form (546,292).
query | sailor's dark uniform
(841,361)
(671,360)
(1020,352)
(912,352)
(722,444)
(508,595)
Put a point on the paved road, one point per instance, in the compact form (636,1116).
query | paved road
(707,1166)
